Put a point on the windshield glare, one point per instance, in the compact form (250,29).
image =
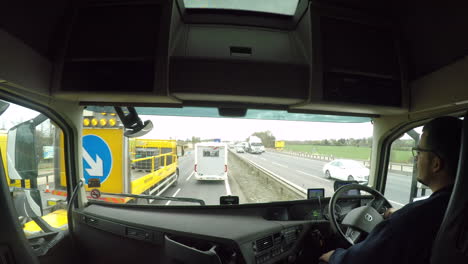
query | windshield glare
(209,157)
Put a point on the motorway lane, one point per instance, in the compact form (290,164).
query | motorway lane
(398,187)
(188,186)
(303,172)
(307,173)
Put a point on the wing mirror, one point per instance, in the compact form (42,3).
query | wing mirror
(28,202)
(22,160)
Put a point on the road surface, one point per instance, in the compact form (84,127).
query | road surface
(304,172)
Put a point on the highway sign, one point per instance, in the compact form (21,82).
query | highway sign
(48,152)
(97,158)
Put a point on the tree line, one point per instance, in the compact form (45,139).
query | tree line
(399,144)
(356,142)
(268,140)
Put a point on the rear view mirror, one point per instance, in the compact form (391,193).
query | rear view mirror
(140,131)
(21,152)
(132,123)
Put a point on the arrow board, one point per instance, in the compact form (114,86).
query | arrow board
(97,158)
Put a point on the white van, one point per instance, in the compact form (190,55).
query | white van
(255,145)
(211,161)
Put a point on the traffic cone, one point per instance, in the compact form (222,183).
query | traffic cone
(47,188)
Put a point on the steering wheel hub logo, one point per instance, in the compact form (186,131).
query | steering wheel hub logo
(368,217)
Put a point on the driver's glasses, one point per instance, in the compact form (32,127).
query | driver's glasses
(418,150)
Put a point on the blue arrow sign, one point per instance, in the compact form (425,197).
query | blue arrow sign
(97,158)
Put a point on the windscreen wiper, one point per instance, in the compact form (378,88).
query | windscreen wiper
(156,197)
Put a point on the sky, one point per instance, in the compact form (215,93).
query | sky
(16,114)
(233,129)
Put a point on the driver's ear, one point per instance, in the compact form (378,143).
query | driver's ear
(437,164)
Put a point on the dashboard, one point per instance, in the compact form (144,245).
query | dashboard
(250,233)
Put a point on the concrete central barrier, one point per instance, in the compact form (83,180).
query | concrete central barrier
(258,185)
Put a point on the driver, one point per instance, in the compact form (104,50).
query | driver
(406,235)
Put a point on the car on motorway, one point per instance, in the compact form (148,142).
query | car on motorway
(245,145)
(240,149)
(347,170)
(210,161)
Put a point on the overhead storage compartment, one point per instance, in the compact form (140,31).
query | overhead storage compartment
(356,61)
(323,59)
(116,47)
(238,64)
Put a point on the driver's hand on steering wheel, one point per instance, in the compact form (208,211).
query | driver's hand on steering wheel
(326,257)
(389,212)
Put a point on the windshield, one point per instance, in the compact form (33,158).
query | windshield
(206,157)
(283,7)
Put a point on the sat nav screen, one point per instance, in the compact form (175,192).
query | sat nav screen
(315,193)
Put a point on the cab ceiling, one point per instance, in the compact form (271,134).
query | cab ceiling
(434,32)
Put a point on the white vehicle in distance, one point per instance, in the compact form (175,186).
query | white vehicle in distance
(211,161)
(245,145)
(240,149)
(346,170)
(255,145)
(262,148)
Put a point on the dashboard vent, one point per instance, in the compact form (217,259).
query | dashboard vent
(264,243)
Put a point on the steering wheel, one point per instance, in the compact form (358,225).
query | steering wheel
(360,220)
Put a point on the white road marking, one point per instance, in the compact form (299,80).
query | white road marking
(308,174)
(263,159)
(228,187)
(276,163)
(175,194)
(188,178)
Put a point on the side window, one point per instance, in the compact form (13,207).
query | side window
(33,159)
(401,186)
(211,153)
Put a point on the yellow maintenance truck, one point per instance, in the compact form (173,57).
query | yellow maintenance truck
(115,164)
(133,166)
(279,145)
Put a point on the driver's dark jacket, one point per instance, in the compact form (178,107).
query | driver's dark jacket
(405,237)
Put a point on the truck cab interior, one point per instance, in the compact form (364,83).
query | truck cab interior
(396,64)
